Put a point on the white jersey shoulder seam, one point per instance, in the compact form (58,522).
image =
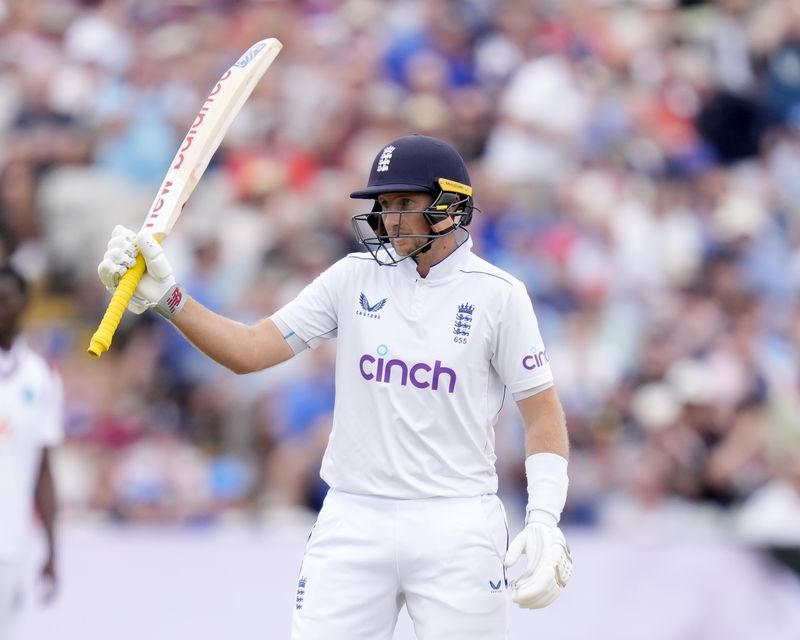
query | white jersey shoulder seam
(478,266)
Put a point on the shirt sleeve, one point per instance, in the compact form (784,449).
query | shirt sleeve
(520,357)
(313,316)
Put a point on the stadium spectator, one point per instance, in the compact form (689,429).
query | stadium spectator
(638,167)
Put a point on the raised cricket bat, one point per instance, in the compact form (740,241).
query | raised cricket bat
(186,169)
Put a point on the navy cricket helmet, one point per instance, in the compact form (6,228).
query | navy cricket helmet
(417,164)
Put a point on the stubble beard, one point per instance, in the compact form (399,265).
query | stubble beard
(406,246)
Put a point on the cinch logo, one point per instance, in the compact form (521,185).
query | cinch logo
(421,375)
(537,359)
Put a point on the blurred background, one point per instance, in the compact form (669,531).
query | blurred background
(637,165)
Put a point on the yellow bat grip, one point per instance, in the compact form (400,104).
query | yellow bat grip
(101,340)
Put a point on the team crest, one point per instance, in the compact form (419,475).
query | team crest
(463,322)
(370,310)
(301,592)
(385,159)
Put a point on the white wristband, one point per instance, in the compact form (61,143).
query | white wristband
(547,487)
(171,303)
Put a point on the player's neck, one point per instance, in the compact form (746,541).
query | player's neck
(7,340)
(440,249)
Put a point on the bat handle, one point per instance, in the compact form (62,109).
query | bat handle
(101,340)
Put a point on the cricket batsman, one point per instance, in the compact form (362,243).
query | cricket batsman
(431,341)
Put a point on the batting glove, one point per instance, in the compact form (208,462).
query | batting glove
(549,559)
(157,289)
(548,569)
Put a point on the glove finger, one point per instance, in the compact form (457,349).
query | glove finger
(106,278)
(536,595)
(157,264)
(110,272)
(538,589)
(123,244)
(138,305)
(123,232)
(526,586)
(535,549)
(555,567)
(515,550)
(120,257)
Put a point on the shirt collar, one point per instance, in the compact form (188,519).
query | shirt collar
(448,265)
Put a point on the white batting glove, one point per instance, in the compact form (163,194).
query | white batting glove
(549,560)
(157,289)
(548,569)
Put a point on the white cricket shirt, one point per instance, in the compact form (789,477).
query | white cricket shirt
(422,369)
(30,419)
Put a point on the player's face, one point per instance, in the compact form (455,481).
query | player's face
(398,223)
(11,304)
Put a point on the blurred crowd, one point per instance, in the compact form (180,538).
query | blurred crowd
(636,163)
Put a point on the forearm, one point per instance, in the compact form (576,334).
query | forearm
(46,506)
(547,451)
(546,427)
(237,346)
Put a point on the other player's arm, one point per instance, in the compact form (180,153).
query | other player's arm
(45,499)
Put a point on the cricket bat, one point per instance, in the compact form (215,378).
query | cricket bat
(186,169)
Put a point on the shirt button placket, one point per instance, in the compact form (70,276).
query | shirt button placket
(418,298)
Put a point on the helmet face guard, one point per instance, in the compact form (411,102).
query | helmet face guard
(451,210)
(415,164)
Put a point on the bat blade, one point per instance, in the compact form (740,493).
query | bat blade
(187,167)
(206,133)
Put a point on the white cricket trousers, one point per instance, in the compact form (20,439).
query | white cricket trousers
(10,598)
(442,558)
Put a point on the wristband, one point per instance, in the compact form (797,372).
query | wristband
(171,303)
(547,487)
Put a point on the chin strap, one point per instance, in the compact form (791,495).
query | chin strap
(423,249)
(441,228)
